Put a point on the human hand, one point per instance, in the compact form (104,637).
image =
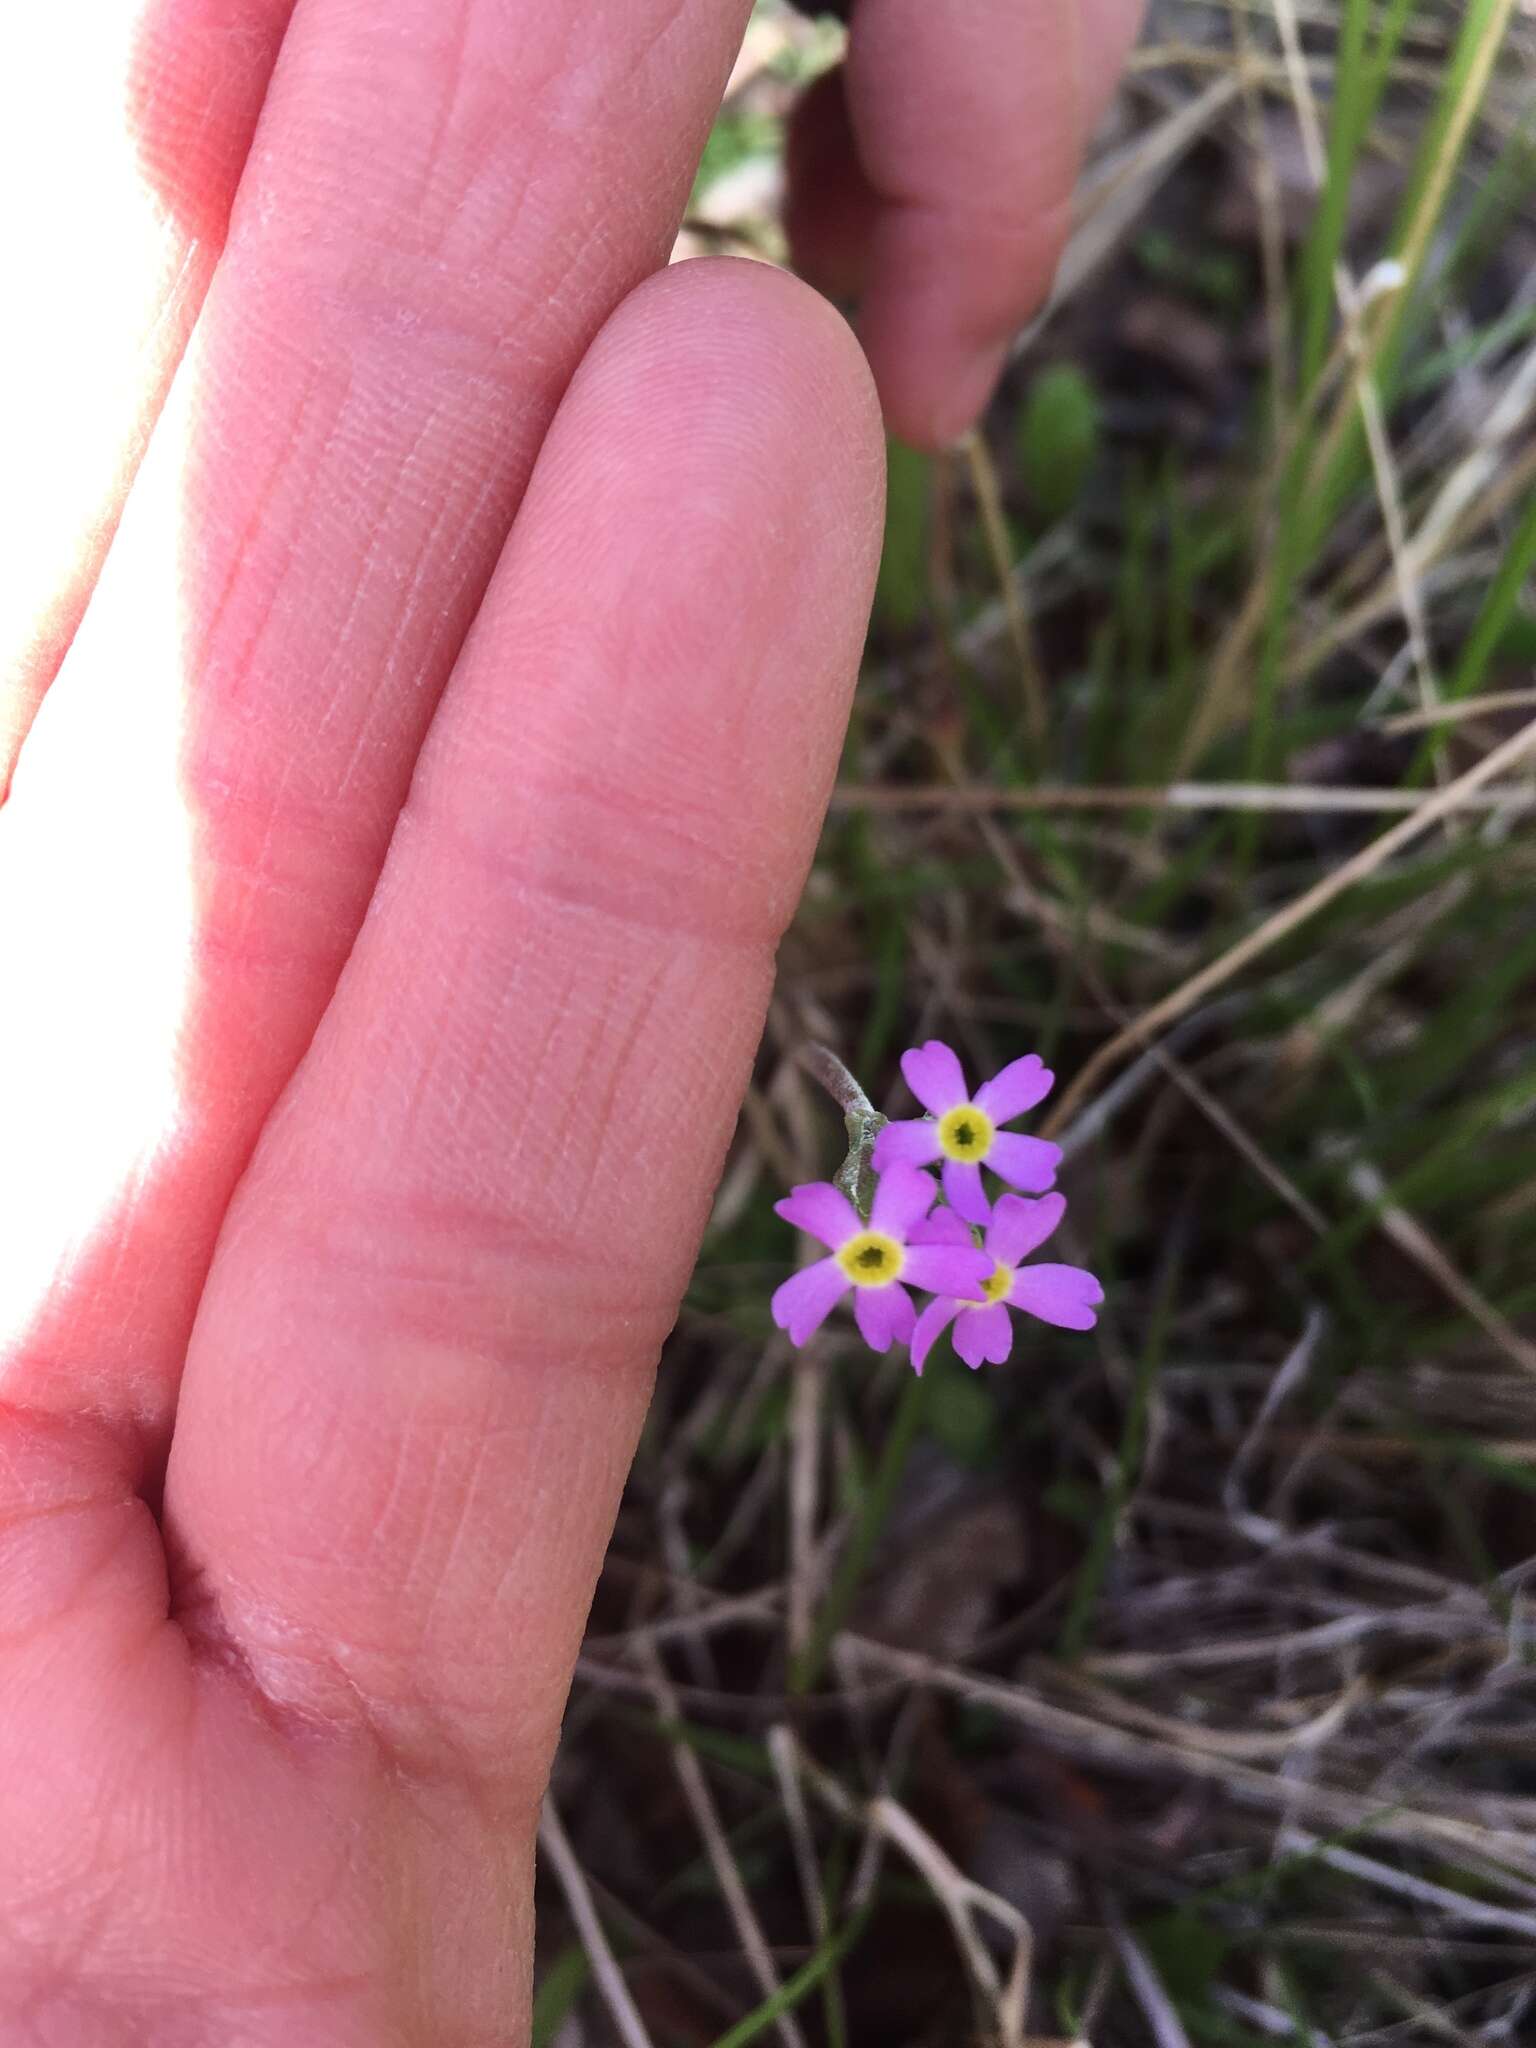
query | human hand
(379,1000)
(404,815)
(931,182)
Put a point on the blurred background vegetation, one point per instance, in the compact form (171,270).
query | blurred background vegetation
(1174,1684)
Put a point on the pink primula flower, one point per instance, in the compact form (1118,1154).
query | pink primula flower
(963,1129)
(1064,1295)
(878,1260)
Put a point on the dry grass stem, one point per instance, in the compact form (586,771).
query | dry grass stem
(1415,1240)
(1494,1850)
(1179,1687)
(717,1847)
(1295,913)
(1319,799)
(1168,2029)
(606,1974)
(994,526)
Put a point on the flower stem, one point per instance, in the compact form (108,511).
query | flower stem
(805,1669)
(863,1122)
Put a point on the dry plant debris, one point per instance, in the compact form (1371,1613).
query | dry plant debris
(1172,1684)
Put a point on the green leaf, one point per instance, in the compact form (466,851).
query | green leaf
(1058,438)
(562,1984)
(902,588)
(1187,1950)
(1070,1501)
(962,1413)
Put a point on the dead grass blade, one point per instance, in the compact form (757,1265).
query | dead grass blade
(607,1976)
(706,1818)
(1296,913)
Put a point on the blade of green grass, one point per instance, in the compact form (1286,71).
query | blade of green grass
(1343,455)
(1504,595)
(901,591)
(1090,1577)
(562,1984)
(805,1669)
(803,1982)
(1350,123)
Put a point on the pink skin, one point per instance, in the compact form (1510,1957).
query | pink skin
(314,1424)
(885,1315)
(1066,1296)
(940,102)
(931,180)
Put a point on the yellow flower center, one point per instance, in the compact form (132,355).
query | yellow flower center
(966,1133)
(995,1287)
(872,1259)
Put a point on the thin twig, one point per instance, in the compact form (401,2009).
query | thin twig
(1182,796)
(1466,707)
(706,1817)
(960,1897)
(572,1881)
(1438,1898)
(1497,1853)
(784,1754)
(1156,2005)
(1280,1742)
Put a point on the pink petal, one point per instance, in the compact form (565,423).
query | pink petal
(910,1144)
(903,1197)
(1063,1295)
(803,1303)
(1027,1163)
(1018,1087)
(821,1211)
(885,1315)
(931,1324)
(963,1190)
(934,1075)
(1020,1227)
(984,1336)
(943,1227)
(948,1269)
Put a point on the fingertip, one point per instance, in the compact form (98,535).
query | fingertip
(741,298)
(965,123)
(717,331)
(936,358)
(950,291)
(933,401)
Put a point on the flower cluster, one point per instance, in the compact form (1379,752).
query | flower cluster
(968,1251)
